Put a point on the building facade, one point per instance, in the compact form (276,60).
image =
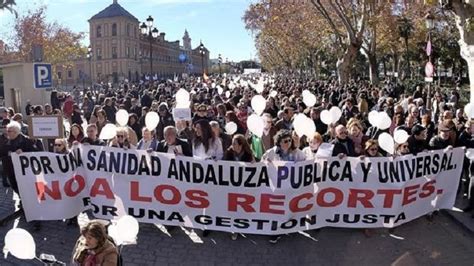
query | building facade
(120,51)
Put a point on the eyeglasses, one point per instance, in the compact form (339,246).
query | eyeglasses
(202,110)
(120,136)
(404,146)
(286,141)
(373,149)
(57,145)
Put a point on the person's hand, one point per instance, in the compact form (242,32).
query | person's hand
(18,151)
(341,156)
(362,157)
(176,152)
(449,148)
(149,150)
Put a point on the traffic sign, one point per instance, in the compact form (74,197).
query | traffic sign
(43,76)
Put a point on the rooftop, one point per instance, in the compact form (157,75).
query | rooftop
(114,10)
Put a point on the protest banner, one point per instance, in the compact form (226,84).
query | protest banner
(258,198)
(46,126)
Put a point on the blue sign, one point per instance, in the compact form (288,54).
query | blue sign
(43,76)
(182,58)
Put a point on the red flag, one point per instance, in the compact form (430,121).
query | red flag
(428,47)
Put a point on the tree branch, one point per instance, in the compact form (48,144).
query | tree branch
(324,13)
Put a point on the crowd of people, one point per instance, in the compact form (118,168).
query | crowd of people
(433,122)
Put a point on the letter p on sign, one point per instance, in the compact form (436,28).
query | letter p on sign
(43,76)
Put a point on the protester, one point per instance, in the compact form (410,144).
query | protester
(314,143)
(148,141)
(75,134)
(206,145)
(95,247)
(121,139)
(92,136)
(342,144)
(172,144)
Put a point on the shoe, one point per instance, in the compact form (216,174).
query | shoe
(274,239)
(205,233)
(233,236)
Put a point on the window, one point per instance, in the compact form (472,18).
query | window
(114,52)
(128,29)
(60,75)
(135,53)
(127,51)
(99,31)
(69,74)
(114,29)
(99,53)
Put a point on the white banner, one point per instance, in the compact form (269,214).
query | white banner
(259,198)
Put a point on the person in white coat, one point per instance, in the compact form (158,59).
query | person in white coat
(205,144)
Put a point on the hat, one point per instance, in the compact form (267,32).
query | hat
(417,129)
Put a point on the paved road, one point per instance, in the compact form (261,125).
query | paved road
(441,242)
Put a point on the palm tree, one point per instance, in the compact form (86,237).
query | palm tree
(8,5)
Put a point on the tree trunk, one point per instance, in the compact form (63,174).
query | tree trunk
(344,64)
(373,69)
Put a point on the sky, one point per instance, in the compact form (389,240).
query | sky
(218,23)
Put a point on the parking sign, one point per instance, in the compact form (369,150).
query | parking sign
(43,76)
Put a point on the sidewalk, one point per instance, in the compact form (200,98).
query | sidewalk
(460,217)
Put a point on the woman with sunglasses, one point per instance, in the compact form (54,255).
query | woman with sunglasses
(284,150)
(121,139)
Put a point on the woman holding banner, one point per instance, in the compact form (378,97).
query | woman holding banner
(239,151)
(312,149)
(76,134)
(205,144)
(148,142)
(121,139)
(284,150)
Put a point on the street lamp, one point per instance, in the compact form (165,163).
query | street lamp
(202,51)
(89,57)
(429,20)
(151,33)
(220,62)
(405,28)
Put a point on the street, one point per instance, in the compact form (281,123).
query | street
(441,242)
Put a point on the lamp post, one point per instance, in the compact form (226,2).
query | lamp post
(220,62)
(429,20)
(405,28)
(202,51)
(89,57)
(151,33)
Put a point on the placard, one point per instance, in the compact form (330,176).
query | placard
(47,127)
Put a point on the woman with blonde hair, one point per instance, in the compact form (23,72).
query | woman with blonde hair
(355,128)
(312,149)
(121,139)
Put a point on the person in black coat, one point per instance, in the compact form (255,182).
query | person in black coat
(417,140)
(18,143)
(441,141)
(343,144)
(171,144)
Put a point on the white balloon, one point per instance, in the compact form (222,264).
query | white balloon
(304,126)
(182,95)
(373,116)
(219,90)
(309,99)
(127,227)
(255,124)
(386,143)
(273,93)
(108,131)
(335,114)
(230,128)
(232,86)
(184,104)
(258,104)
(400,136)
(305,92)
(469,110)
(383,121)
(243,83)
(151,120)
(326,117)
(227,94)
(470,154)
(122,117)
(213,85)
(113,232)
(20,244)
(259,87)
